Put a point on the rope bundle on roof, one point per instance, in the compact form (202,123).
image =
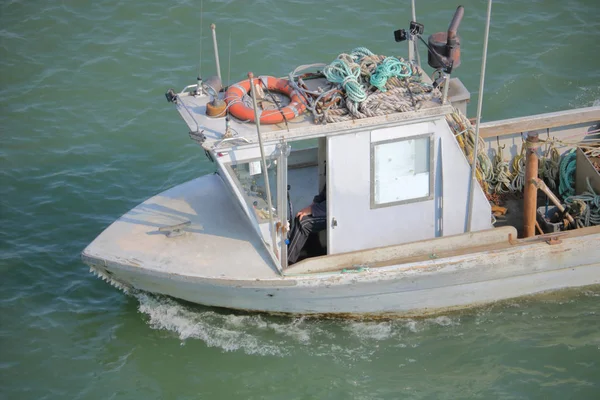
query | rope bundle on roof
(364,85)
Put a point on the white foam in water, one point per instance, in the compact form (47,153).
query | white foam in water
(240,321)
(445,321)
(296,330)
(262,335)
(216,330)
(413,326)
(371,330)
(396,329)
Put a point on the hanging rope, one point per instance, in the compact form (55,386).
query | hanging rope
(465,136)
(501,172)
(568,166)
(549,165)
(518,167)
(498,177)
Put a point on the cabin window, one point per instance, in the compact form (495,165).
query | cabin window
(250,180)
(401,171)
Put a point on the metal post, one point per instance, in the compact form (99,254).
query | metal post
(282,200)
(446,87)
(264,165)
(199,79)
(473,181)
(530,190)
(213,27)
(411,41)
(413,49)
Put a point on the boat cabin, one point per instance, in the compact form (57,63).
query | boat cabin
(389,179)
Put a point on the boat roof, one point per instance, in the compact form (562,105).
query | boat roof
(209,131)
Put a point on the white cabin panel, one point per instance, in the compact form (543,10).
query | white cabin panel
(398,185)
(353,223)
(455,177)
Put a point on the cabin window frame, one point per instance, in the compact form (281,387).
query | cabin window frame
(430,196)
(228,165)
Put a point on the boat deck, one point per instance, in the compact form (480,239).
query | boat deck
(139,240)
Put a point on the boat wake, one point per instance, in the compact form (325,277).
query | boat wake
(352,340)
(267,335)
(227,332)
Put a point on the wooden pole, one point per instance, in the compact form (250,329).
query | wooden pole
(530,190)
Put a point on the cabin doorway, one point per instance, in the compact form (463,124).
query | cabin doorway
(307,165)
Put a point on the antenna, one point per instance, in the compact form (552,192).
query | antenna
(199,79)
(213,27)
(411,39)
(473,181)
(227,120)
(229,66)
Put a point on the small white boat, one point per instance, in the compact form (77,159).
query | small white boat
(407,231)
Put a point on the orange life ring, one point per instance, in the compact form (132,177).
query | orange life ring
(238,109)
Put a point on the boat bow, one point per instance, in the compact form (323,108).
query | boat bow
(188,230)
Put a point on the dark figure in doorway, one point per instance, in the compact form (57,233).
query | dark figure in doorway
(311,219)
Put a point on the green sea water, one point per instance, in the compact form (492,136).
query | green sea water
(86,134)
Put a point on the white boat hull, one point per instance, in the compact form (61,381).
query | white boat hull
(393,298)
(409,289)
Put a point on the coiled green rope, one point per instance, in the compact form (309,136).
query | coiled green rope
(389,67)
(346,75)
(346,72)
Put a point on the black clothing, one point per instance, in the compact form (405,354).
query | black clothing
(319,205)
(299,235)
(309,224)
